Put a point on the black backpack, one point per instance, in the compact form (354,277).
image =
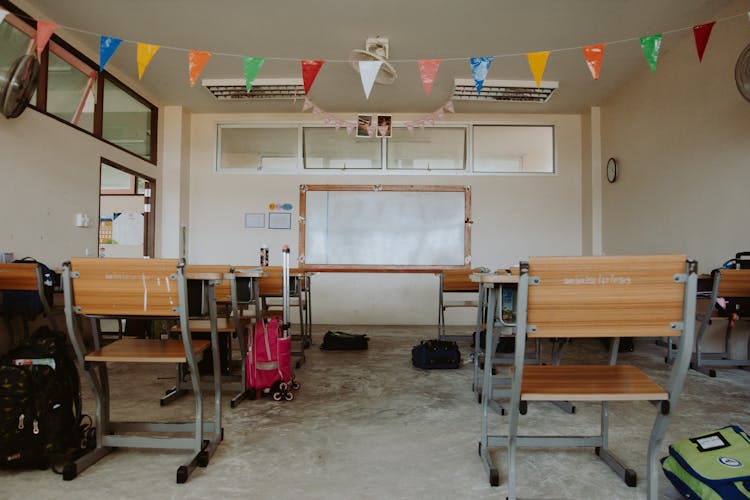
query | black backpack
(26,303)
(40,402)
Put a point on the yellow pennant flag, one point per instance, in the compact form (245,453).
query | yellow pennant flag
(144,55)
(537,63)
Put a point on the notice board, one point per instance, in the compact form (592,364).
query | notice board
(384,227)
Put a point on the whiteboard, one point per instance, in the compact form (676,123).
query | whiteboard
(354,226)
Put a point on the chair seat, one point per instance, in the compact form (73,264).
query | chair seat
(146,351)
(589,383)
(204,325)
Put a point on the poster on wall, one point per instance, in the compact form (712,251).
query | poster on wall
(127,228)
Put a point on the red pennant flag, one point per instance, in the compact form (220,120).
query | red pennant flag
(310,69)
(196,61)
(701,33)
(44,32)
(427,70)
(593,55)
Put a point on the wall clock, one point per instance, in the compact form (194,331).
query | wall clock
(612,170)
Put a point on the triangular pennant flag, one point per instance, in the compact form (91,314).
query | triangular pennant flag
(701,33)
(448,106)
(368,70)
(44,31)
(350,127)
(3,13)
(480,66)
(427,70)
(537,63)
(410,126)
(382,130)
(252,67)
(593,55)
(107,47)
(650,46)
(196,61)
(310,70)
(371,130)
(307,104)
(145,52)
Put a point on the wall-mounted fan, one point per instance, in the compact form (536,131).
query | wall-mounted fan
(376,49)
(742,73)
(19,85)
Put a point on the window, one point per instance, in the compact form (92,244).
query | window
(439,148)
(514,148)
(13,43)
(69,89)
(126,121)
(270,149)
(328,148)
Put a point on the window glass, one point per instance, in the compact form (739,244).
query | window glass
(126,121)
(434,148)
(326,147)
(270,149)
(514,148)
(13,43)
(69,93)
(116,181)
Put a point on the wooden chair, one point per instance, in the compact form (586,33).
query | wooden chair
(25,277)
(270,290)
(230,326)
(585,297)
(138,288)
(455,281)
(732,285)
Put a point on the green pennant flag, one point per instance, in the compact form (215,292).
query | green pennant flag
(252,66)
(650,46)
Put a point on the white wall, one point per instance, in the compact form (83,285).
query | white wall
(515,217)
(682,138)
(50,172)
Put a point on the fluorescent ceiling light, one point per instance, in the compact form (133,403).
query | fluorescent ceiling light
(263,89)
(503,90)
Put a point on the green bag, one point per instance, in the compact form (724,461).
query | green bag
(714,466)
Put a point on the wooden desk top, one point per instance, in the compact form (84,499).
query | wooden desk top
(204,275)
(249,273)
(146,351)
(494,278)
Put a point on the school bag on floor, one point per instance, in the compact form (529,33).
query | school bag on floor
(270,358)
(712,466)
(436,354)
(40,402)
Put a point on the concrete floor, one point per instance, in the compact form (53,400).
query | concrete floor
(367,425)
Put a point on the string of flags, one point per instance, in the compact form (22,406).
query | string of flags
(377,129)
(428,68)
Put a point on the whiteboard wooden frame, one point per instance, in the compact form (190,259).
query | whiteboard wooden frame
(305,188)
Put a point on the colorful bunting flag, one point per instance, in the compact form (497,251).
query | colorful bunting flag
(196,61)
(480,66)
(310,71)
(107,47)
(252,67)
(537,63)
(427,70)
(650,46)
(350,127)
(448,106)
(3,13)
(593,55)
(307,104)
(145,52)
(701,33)
(44,32)
(368,71)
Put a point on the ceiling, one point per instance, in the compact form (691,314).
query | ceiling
(285,31)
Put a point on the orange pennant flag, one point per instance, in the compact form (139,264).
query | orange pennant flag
(44,32)
(537,63)
(593,55)
(145,52)
(427,70)
(196,61)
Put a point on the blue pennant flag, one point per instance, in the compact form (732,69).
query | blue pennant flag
(480,66)
(107,47)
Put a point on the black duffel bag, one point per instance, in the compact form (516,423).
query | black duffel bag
(343,341)
(431,354)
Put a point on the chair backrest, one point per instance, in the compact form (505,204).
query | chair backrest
(223,290)
(125,287)
(270,285)
(628,296)
(19,276)
(457,280)
(734,283)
